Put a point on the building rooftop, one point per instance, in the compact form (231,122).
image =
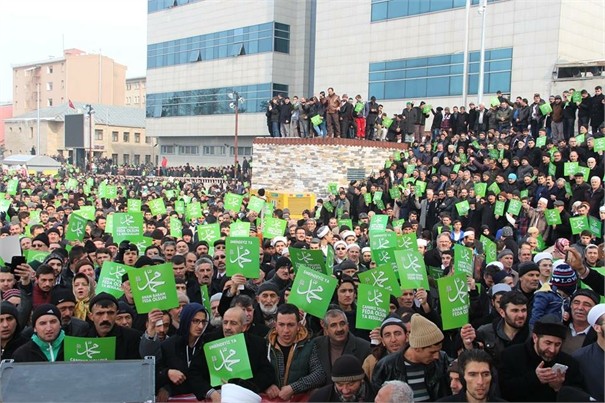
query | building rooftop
(104,114)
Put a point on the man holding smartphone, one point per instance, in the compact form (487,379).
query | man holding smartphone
(535,371)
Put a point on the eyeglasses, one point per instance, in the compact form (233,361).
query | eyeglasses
(196,322)
(340,248)
(221,257)
(38,245)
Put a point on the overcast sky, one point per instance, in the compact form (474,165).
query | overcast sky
(33,30)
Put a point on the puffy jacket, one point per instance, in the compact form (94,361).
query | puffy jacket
(392,367)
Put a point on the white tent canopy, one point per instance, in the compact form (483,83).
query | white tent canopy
(32,162)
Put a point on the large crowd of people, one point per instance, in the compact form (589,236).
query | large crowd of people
(517,185)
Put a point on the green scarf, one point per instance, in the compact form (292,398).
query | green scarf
(50,350)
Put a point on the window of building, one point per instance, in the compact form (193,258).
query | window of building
(126,137)
(62,84)
(147,140)
(241,151)
(114,158)
(49,102)
(128,87)
(128,100)
(49,69)
(136,159)
(167,149)
(49,86)
(136,86)
(137,138)
(114,136)
(391,9)
(136,99)
(31,133)
(212,101)
(189,150)
(99,134)
(126,158)
(267,37)
(439,75)
(580,72)
(147,159)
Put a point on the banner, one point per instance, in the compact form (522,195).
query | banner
(407,241)
(490,248)
(385,257)
(256,204)
(312,291)
(243,256)
(89,348)
(87,212)
(76,228)
(110,279)
(312,259)
(239,229)
(227,359)
(514,207)
(463,260)
(454,301)
(412,271)
(273,227)
(552,216)
(499,208)
(209,233)
(383,240)
(372,306)
(463,207)
(157,206)
(378,222)
(153,287)
(578,224)
(127,225)
(233,202)
(176,227)
(382,277)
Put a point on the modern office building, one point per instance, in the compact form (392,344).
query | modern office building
(396,50)
(76,76)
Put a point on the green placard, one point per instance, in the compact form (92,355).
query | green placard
(420,187)
(227,359)
(333,188)
(233,202)
(595,226)
(316,120)
(383,240)
(372,306)
(157,206)
(312,291)
(407,241)
(169,194)
(347,222)
(412,271)
(71,184)
(256,204)
(193,210)
(570,168)
(5,204)
(153,287)
(426,109)
(330,260)
(313,259)
(134,204)
(384,257)
(239,229)
(378,223)
(89,348)
(110,279)
(524,193)
(243,256)
(490,248)
(109,224)
(87,212)
(552,216)
(463,207)
(273,227)
(209,233)
(499,208)
(494,101)
(584,285)
(578,224)
(541,141)
(179,207)
(454,301)
(382,277)
(76,228)
(398,223)
(568,188)
(176,227)
(127,225)
(545,108)
(463,260)
(395,193)
(514,207)
(377,196)
(205,297)
(576,96)
(141,242)
(552,169)
(387,122)
(111,192)
(359,106)
(480,189)
(581,139)
(329,206)
(585,171)
(599,144)
(35,255)
(12,186)
(494,188)
(367,197)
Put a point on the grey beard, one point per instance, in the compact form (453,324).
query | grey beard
(216,321)
(268,311)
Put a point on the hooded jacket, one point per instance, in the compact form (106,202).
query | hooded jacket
(176,353)
(36,350)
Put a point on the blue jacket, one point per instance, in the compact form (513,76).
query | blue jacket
(547,301)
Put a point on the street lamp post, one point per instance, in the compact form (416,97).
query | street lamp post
(90,111)
(236,100)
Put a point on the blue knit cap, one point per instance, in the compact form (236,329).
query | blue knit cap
(187,314)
